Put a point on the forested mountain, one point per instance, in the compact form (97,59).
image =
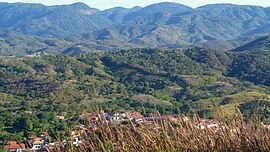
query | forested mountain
(214,24)
(60,21)
(167,25)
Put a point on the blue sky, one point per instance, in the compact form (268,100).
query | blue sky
(104,4)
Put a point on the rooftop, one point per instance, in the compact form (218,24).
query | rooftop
(14,145)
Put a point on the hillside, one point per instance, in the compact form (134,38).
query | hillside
(262,44)
(61,21)
(117,14)
(171,81)
(16,44)
(143,15)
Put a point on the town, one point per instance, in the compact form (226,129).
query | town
(42,141)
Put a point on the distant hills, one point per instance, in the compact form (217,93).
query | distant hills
(57,21)
(167,25)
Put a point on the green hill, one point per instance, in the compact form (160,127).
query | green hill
(262,44)
(194,80)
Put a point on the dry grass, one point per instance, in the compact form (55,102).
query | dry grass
(235,135)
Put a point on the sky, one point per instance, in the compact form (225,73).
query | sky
(105,4)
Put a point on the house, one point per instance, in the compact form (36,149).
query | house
(49,146)
(134,114)
(168,118)
(137,117)
(118,117)
(139,120)
(185,119)
(75,133)
(44,136)
(149,120)
(206,123)
(37,143)
(14,146)
(153,118)
(76,141)
(53,146)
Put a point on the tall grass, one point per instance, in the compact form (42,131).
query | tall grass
(234,135)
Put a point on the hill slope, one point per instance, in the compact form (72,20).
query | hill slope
(178,77)
(194,80)
(262,43)
(16,44)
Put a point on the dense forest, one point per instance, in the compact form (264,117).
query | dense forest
(35,90)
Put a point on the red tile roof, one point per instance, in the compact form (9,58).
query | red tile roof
(14,145)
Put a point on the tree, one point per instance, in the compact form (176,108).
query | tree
(24,124)
(1,127)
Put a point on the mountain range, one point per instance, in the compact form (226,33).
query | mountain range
(78,28)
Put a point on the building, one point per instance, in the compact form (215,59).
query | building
(76,141)
(206,123)
(14,146)
(137,117)
(37,143)
(75,133)
(118,117)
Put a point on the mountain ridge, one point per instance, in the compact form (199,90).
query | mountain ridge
(166,25)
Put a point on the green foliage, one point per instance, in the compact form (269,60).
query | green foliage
(34,90)
(261,44)
(256,108)
(24,124)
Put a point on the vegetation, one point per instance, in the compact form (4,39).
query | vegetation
(34,90)
(86,66)
(236,135)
